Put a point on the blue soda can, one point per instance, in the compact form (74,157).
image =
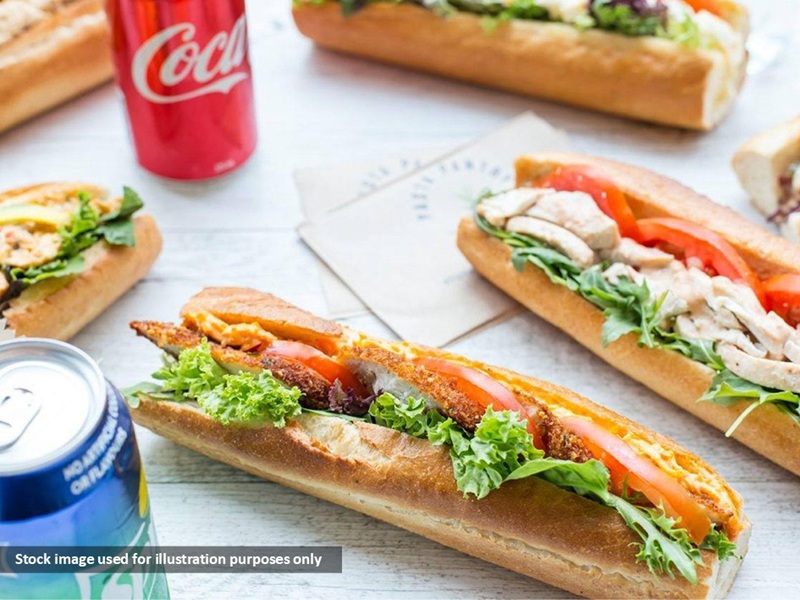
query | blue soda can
(70,473)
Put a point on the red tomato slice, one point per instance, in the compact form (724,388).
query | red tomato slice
(711,6)
(481,388)
(328,368)
(580,178)
(644,476)
(699,242)
(783,296)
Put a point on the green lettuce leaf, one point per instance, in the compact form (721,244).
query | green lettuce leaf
(117,227)
(665,547)
(498,447)
(193,373)
(84,230)
(624,19)
(55,268)
(728,389)
(718,542)
(251,399)
(245,398)
(502,450)
(411,417)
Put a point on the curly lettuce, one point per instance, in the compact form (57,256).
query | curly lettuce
(501,449)
(244,398)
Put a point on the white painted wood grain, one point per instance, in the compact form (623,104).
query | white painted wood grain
(317,108)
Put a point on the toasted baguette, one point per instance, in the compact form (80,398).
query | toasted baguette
(679,379)
(759,164)
(642,78)
(58,58)
(59,308)
(528,526)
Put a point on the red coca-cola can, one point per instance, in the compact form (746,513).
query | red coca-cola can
(183,69)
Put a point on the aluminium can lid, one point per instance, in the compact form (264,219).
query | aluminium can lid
(51,397)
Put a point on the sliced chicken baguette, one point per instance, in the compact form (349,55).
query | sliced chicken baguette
(768,430)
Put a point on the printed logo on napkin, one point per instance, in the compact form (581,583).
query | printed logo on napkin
(324,189)
(396,248)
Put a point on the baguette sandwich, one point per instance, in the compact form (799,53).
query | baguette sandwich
(679,293)
(501,466)
(68,251)
(673,62)
(768,167)
(50,51)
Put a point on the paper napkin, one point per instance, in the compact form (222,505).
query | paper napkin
(395,248)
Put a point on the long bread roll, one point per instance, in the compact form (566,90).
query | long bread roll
(641,77)
(768,167)
(35,224)
(340,445)
(769,430)
(50,51)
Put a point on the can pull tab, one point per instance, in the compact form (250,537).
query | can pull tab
(18,407)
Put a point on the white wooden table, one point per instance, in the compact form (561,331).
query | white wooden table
(317,108)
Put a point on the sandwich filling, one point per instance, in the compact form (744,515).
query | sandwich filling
(690,23)
(494,431)
(43,234)
(674,284)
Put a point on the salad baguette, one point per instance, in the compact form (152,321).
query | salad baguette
(501,466)
(672,62)
(679,293)
(68,251)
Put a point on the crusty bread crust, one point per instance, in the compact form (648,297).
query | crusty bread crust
(58,59)
(245,305)
(762,160)
(642,78)
(213,300)
(528,526)
(679,379)
(59,308)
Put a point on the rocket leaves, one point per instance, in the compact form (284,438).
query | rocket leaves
(502,450)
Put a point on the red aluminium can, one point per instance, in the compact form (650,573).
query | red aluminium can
(183,69)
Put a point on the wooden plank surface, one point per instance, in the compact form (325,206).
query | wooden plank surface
(317,108)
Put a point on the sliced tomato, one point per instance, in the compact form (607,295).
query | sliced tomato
(711,6)
(482,389)
(328,368)
(644,476)
(696,241)
(581,178)
(783,296)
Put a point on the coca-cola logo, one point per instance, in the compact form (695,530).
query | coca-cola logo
(210,67)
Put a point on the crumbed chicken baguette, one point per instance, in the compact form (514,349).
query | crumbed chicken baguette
(67,252)
(768,167)
(673,62)
(501,466)
(679,293)
(50,51)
